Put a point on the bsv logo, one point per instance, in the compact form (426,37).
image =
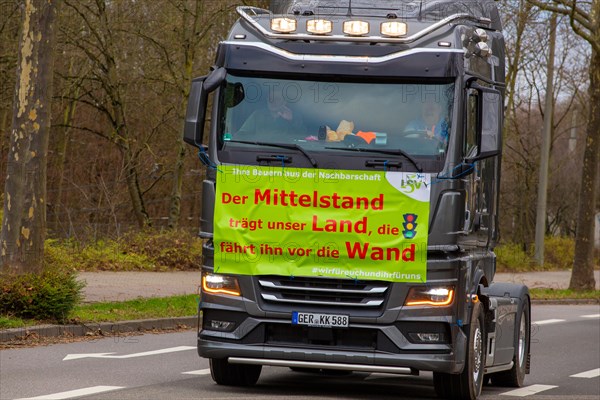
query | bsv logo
(414,185)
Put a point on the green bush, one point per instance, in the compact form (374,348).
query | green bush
(142,251)
(172,250)
(558,255)
(49,295)
(510,257)
(559,252)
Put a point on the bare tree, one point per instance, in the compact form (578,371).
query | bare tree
(585,21)
(106,89)
(24,223)
(177,50)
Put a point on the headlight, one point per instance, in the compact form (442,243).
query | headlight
(220,284)
(424,296)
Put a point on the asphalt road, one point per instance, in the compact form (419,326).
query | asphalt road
(565,365)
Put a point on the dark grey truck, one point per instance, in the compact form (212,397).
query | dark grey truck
(377,62)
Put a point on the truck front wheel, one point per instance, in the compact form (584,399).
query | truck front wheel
(466,385)
(224,373)
(515,377)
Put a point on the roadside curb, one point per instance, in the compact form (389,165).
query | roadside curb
(97,329)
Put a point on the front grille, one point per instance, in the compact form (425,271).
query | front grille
(323,292)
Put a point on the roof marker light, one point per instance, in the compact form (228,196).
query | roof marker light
(480,35)
(444,44)
(319,26)
(394,29)
(356,28)
(283,25)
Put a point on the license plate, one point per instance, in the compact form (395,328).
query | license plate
(320,320)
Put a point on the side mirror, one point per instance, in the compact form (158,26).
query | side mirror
(193,131)
(489,138)
(491,123)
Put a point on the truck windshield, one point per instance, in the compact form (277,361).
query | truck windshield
(415,118)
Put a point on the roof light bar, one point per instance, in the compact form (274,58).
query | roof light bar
(253,15)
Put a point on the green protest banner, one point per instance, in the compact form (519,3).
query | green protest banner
(367,225)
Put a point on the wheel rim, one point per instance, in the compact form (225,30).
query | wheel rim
(478,354)
(522,337)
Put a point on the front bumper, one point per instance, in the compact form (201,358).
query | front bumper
(367,348)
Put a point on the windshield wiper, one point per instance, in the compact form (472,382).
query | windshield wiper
(290,146)
(396,152)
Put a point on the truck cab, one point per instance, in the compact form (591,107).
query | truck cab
(350,208)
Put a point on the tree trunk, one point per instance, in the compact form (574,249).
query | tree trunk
(582,277)
(24,223)
(64,136)
(175,201)
(542,195)
(133,187)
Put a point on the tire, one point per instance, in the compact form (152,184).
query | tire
(227,374)
(466,385)
(515,377)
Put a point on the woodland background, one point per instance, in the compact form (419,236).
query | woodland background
(122,71)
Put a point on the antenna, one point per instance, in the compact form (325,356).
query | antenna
(349,8)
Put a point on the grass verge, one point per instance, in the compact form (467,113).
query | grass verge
(163,307)
(14,322)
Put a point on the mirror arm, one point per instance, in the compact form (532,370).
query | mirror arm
(482,156)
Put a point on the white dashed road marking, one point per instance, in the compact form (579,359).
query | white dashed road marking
(591,316)
(528,390)
(75,393)
(143,354)
(594,373)
(548,321)
(198,372)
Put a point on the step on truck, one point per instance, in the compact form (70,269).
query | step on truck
(350,205)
